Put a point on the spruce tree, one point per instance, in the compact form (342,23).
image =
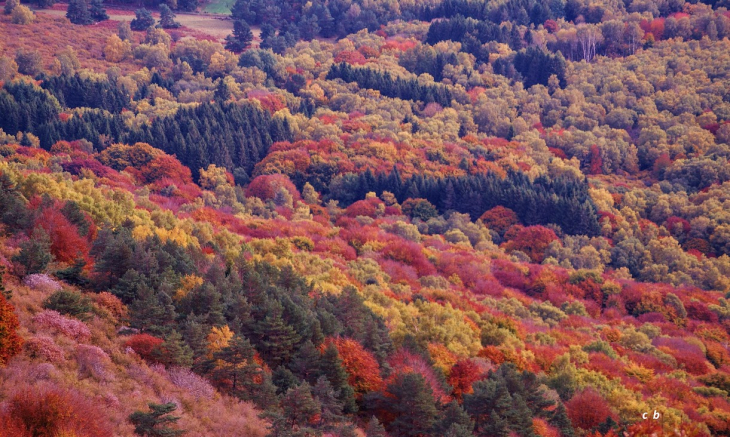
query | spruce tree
(78,12)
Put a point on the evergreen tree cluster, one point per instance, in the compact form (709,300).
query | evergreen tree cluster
(523,12)
(226,134)
(465,30)
(561,201)
(508,400)
(77,92)
(25,107)
(531,65)
(323,18)
(83,12)
(406,89)
(536,66)
(272,311)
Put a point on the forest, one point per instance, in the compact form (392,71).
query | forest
(461,218)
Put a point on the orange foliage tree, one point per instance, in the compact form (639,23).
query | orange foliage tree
(10,342)
(361,366)
(50,411)
(532,240)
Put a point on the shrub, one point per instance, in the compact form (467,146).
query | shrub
(22,15)
(587,409)
(44,347)
(42,283)
(196,385)
(93,361)
(50,411)
(69,303)
(419,208)
(111,304)
(71,328)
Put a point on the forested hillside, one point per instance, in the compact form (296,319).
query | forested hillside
(366,218)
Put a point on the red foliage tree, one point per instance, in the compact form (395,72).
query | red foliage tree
(499,219)
(265,187)
(166,166)
(52,412)
(10,341)
(595,165)
(361,366)
(661,164)
(66,243)
(587,409)
(409,253)
(144,345)
(366,208)
(462,376)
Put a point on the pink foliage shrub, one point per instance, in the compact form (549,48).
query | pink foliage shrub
(93,361)
(67,326)
(42,283)
(44,347)
(194,384)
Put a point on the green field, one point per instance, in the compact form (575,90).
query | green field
(219,7)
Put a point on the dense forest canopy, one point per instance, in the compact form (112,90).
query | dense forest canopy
(365,218)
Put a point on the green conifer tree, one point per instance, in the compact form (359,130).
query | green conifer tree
(156,422)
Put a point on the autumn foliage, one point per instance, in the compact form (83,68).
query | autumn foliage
(10,341)
(50,411)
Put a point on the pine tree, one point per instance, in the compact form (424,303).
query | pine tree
(167,18)
(326,395)
(143,20)
(234,365)
(455,420)
(152,311)
(375,428)
(241,37)
(174,351)
(97,10)
(35,253)
(78,12)
(155,423)
(299,406)
(276,339)
(562,422)
(413,404)
(283,379)
(10,5)
(334,371)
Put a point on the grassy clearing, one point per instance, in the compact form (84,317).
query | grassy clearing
(205,24)
(219,7)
